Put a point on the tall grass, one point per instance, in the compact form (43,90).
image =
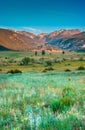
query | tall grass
(27,101)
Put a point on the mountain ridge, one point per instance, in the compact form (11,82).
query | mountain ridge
(73,39)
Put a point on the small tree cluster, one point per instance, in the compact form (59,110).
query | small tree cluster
(43,52)
(36,53)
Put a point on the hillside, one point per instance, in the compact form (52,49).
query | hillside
(73,40)
(67,39)
(21,40)
(75,43)
(16,40)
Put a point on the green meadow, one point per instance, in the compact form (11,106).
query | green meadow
(47,93)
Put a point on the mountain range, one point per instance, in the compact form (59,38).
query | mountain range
(72,40)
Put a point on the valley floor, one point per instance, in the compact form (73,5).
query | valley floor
(42,92)
(11,60)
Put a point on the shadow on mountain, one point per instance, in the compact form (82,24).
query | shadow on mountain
(2,48)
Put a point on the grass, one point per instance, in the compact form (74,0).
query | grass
(24,98)
(10,60)
(34,67)
(44,96)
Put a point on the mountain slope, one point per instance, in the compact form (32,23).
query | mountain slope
(16,40)
(67,39)
(75,43)
(63,39)
(21,40)
(56,37)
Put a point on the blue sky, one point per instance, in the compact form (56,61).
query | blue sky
(39,16)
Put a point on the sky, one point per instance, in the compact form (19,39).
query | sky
(39,16)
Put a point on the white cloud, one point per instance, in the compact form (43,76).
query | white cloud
(37,30)
(22,28)
(32,30)
(4,27)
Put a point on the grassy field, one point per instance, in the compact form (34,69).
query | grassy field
(47,95)
(59,62)
(42,101)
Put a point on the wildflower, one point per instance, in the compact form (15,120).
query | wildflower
(38,103)
(26,118)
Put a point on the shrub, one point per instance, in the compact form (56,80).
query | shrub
(25,61)
(81,68)
(6,57)
(12,61)
(32,60)
(67,70)
(48,63)
(67,64)
(55,105)
(40,61)
(14,71)
(0,69)
(81,59)
(64,59)
(35,53)
(69,91)
(63,52)
(66,101)
(61,104)
(48,69)
(43,52)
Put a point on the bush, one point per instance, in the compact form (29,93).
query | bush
(32,60)
(61,104)
(14,71)
(81,59)
(64,59)
(6,57)
(69,91)
(67,70)
(0,69)
(81,68)
(35,53)
(48,63)
(66,101)
(43,52)
(55,105)
(40,61)
(12,61)
(25,61)
(48,69)
(63,52)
